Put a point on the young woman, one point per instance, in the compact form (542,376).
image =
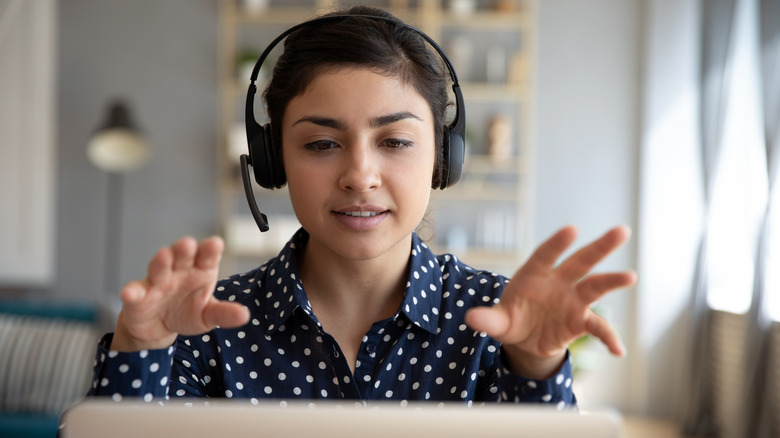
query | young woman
(356,306)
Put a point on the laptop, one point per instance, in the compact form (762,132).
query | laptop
(275,419)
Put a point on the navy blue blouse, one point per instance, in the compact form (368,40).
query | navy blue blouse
(424,352)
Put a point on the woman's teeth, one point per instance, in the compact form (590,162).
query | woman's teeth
(361,213)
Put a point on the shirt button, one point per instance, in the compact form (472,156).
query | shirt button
(370,348)
(335,352)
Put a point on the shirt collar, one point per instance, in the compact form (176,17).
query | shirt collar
(284,292)
(283,288)
(423,296)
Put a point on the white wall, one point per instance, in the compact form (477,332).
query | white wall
(587,134)
(672,207)
(616,123)
(162,57)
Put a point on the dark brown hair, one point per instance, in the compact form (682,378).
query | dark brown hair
(388,48)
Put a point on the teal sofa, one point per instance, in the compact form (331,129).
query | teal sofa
(46,356)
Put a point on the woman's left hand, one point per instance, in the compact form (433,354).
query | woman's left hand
(546,307)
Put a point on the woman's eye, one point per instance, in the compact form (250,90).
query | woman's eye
(321,145)
(394,143)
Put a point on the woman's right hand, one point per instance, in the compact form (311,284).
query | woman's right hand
(175,298)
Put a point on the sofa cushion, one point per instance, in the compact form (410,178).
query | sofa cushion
(45,363)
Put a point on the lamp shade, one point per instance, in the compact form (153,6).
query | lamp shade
(118,146)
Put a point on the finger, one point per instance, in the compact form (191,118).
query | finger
(209,253)
(493,321)
(595,286)
(159,269)
(184,253)
(545,256)
(132,292)
(225,314)
(582,261)
(600,328)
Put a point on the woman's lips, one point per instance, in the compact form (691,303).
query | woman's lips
(361,220)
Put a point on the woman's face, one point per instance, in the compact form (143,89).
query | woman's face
(358,152)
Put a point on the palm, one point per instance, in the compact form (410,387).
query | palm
(176,296)
(545,307)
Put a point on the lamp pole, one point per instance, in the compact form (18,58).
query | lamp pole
(113,239)
(116,147)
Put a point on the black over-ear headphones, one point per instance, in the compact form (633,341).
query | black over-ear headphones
(264,156)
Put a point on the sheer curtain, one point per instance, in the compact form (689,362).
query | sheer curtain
(717,20)
(762,405)
(731,391)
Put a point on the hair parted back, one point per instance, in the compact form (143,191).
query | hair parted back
(358,42)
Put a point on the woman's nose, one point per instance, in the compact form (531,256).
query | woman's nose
(361,169)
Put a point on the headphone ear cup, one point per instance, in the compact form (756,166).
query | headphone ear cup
(457,150)
(266,162)
(276,176)
(257,156)
(453,152)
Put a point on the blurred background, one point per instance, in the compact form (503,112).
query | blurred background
(655,114)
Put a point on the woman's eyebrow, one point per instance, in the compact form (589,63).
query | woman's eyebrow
(323,121)
(376,122)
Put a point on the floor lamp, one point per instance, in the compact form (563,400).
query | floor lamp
(117,147)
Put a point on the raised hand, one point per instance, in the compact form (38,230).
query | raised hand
(545,307)
(175,298)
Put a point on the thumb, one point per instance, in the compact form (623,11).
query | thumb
(494,321)
(225,314)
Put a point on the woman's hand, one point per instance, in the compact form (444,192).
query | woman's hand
(545,307)
(175,298)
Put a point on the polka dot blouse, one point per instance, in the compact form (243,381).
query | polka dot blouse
(424,352)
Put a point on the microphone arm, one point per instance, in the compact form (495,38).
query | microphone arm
(260,218)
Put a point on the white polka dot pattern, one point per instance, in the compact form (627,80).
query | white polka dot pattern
(424,352)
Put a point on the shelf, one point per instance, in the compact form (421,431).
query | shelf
(291,15)
(494,92)
(480,258)
(476,192)
(487,20)
(484,164)
(497,21)
(244,239)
